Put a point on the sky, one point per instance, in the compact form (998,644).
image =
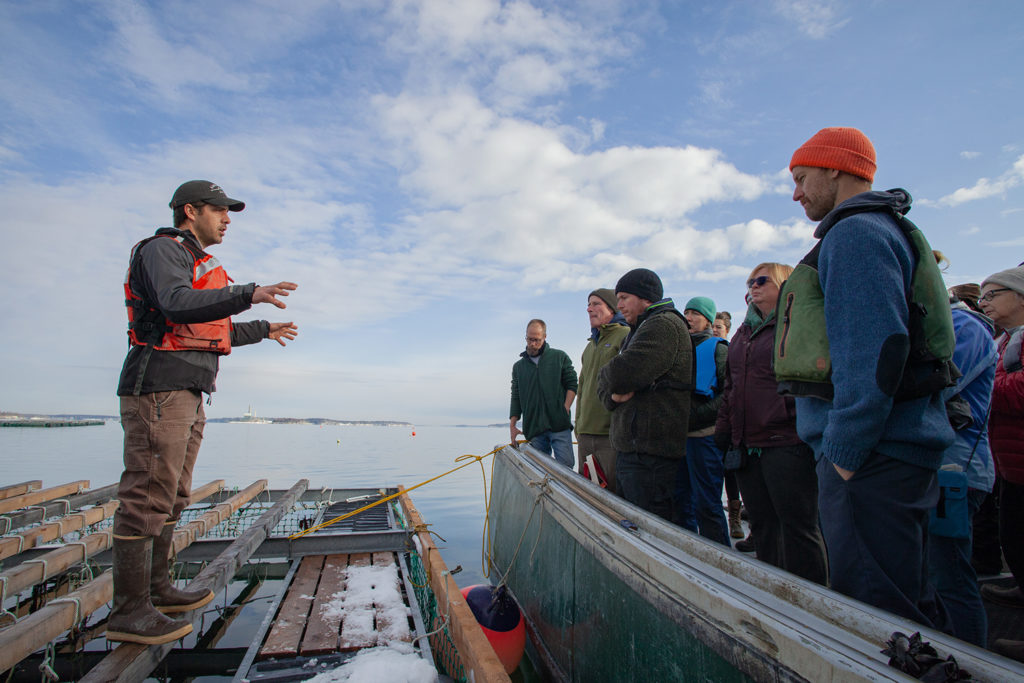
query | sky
(435,173)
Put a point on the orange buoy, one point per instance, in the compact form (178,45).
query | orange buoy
(501,621)
(414,432)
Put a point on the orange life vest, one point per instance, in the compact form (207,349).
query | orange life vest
(147,326)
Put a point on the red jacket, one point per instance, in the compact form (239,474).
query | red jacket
(1006,424)
(753,414)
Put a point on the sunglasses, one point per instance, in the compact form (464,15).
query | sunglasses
(760,281)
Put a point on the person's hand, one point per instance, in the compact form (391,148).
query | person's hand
(514,432)
(281,331)
(268,294)
(622,398)
(845,474)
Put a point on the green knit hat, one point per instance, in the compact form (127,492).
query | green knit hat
(703,305)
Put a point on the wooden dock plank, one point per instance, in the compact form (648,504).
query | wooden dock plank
(357,630)
(284,637)
(18,489)
(392,620)
(325,619)
(35,497)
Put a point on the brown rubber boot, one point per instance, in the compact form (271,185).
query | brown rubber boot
(735,525)
(162,592)
(133,618)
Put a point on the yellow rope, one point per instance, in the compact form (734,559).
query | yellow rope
(472,459)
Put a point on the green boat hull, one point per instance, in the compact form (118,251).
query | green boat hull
(611,593)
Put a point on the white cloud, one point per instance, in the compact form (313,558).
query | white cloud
(985,187)
(969,155)
(815,18)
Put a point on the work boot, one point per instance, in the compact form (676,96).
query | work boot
(735,525)
(1007,597)
(747,545)
(1014,649)
(133,618)
(162,592)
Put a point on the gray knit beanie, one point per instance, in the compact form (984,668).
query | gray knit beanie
(1012,278)
(606,295)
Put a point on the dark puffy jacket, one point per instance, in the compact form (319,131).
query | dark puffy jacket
(753,414)
(1006,424)
(656,364)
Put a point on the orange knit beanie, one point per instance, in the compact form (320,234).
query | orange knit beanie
(844,149)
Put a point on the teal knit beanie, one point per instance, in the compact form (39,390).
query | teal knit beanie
(703,305)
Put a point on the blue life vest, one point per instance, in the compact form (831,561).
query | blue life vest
(707,372)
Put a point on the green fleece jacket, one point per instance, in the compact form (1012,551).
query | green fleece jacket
(538,391)
(591,415)
(656,365)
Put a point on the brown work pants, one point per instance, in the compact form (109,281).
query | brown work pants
(162,433)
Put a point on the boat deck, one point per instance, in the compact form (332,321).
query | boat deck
(370,580)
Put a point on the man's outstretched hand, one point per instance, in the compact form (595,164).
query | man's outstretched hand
(269,293)
(281,331)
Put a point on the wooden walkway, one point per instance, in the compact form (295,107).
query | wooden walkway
(311,620)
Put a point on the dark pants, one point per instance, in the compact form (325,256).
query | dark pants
(986,556)
(949,564)
(646,481)
(780,490)
(698,494)
(876,532)
(1011,527)
(732,489)
(162,434)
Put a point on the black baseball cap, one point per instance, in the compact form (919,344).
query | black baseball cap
(204,191)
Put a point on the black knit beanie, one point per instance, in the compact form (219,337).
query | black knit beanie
(642,283)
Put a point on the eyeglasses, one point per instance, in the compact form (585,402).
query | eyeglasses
(991,294)
(760,281)
(535,340)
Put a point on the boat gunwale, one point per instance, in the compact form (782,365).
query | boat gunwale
(841,619)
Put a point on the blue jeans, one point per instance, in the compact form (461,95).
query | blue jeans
(560,442)
(949,564)
(876,532)
(699,500)
(646,481)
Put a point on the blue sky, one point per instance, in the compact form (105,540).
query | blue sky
(434,174)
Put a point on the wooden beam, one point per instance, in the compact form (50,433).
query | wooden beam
(56,561)
(20,488)
(133,662)
(36,497)
(38,513)
(37,629)
(51,531)
(478,657)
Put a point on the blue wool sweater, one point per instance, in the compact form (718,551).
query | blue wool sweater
(865,268)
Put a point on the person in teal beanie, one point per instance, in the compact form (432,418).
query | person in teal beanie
(698,493)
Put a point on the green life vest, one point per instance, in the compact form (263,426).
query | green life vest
(801,359)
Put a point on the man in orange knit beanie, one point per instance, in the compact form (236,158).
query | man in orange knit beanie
(842,351)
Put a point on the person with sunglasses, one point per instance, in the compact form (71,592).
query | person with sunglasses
(757,428)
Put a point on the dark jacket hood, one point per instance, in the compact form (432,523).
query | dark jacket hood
(892,201)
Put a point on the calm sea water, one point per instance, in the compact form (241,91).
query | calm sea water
(329,456)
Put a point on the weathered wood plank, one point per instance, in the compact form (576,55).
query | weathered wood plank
(43,495)
(290,623)
(392,621)
(38,513)
(51,531)
(131,662)
(357,629)
(325,618)
(37,629)
(478,657)
(20,488)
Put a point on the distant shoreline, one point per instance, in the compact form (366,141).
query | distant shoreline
(10,419)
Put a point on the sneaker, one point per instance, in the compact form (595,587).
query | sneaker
(1007,597)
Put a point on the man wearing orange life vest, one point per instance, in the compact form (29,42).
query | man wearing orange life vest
(180,302)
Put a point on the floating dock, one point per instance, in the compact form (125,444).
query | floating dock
(315,599)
